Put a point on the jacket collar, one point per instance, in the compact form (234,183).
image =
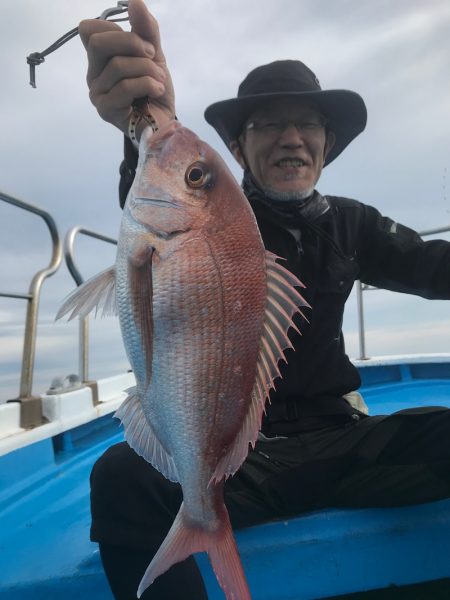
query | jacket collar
(288,214)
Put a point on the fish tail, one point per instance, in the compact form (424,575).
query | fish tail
(226,563)
(185,538)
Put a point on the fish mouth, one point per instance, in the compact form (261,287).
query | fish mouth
(160,202)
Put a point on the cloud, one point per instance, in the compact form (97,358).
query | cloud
(6,317)
(421,338)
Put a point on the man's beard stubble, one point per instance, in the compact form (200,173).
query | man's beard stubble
(291,196)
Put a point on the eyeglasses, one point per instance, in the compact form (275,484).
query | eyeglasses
(309,123)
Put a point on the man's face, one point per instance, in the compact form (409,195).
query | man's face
(284,144)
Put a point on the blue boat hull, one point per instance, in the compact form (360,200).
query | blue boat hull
(45,550)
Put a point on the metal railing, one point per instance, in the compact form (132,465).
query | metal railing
(69,243)
(31,406)
(360,288)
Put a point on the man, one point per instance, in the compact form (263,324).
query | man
(318,446)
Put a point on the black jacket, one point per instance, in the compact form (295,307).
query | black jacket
(348,241)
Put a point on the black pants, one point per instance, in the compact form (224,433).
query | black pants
(376,461)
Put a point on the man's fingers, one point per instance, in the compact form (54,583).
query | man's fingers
(105,45)
(144,24)
(124,67)
(115,106)
(90,26)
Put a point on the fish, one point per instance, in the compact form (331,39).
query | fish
(204,312)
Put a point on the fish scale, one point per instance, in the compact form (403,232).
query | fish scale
(189,346)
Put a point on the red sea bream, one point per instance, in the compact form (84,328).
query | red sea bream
(204,313)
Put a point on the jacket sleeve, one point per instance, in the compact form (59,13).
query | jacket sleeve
(396,258)
(127,170)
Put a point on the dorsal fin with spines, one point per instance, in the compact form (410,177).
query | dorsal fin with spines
(283,302)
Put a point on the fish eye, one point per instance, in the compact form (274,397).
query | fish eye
(197,175)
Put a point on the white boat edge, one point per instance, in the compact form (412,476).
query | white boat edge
(402,359)
(73,408)
(63,412)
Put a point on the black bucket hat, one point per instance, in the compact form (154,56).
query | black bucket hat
(345,110)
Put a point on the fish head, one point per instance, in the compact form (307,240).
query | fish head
(181,184)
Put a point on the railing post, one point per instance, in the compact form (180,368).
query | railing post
(83,327)
(83,348)
(361,332)
(31,406)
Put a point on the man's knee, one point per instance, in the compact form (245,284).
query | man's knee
(421,437)
(124,486)
(116,467)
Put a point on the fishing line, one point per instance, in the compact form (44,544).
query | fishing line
(37,58)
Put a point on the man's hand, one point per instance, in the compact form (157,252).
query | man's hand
(124,66)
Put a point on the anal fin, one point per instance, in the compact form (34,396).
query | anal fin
(141,437)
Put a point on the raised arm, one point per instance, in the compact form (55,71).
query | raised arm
(124,66)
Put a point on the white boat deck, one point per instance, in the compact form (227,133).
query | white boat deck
(63,412)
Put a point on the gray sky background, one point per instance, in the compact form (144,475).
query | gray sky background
(57,153)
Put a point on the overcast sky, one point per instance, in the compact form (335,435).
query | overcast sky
(58,154)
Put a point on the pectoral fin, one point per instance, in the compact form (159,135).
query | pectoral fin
(283,302)
(99,292)
(140,282)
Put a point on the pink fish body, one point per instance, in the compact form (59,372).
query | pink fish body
(204,313)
